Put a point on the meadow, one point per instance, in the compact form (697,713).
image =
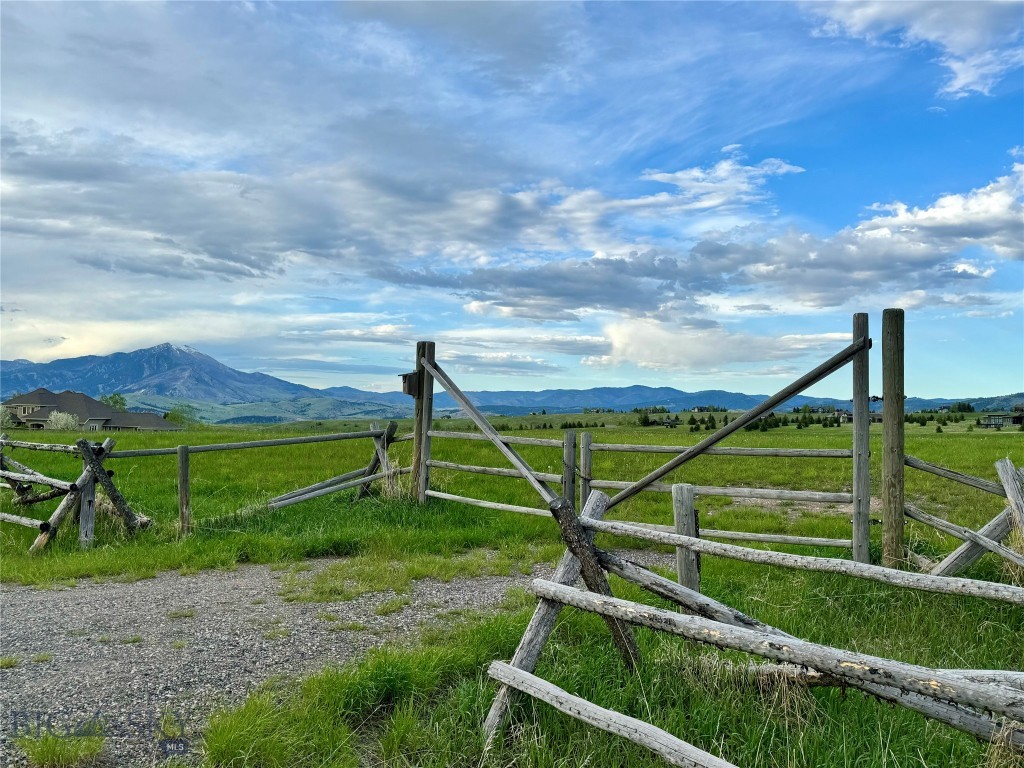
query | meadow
(423,705)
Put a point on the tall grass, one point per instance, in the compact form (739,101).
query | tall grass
(423,706)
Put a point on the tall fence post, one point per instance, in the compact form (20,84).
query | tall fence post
(424,416)
(861,447)
(569,467)
(184,492)
(685,513)
(586,466)
(87,510)
(892,438)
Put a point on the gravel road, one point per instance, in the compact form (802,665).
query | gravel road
(180,646)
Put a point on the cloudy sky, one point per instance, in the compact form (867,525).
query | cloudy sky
(696,195)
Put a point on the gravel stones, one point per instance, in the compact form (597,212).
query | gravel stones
(152,659)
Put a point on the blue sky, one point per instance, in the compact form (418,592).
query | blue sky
(696,195)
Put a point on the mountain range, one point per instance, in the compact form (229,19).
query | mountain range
(161,377)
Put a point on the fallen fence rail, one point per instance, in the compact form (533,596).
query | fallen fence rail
(673,750)
(842,664)
(339,487)
(984,703)
(487,504)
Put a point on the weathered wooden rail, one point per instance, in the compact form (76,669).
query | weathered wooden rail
(79,496)
(984,703)
(382,439)
(81,492)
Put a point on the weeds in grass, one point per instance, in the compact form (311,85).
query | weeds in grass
(392,606)
(59,751)
(1013,573)
(348,626)
(1001,753)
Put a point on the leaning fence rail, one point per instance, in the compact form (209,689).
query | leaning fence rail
(989,537)
(983,703)
(925,582)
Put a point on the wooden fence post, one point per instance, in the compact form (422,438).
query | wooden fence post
(423,416)
(87,510)
(892,438)
(861,447)
(569,467)
(586,466)
(184,492)
(685,513)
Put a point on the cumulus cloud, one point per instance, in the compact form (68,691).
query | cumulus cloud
(648,343)
(980,42)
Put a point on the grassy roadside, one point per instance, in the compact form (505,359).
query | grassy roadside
(423,706)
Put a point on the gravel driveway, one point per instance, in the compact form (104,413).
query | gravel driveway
(178,646)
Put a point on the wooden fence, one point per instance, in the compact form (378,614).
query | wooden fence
(984,703)
(578,461)
(577,455)
(80,495)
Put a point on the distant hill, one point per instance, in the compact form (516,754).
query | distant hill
(160,377)
(167,370)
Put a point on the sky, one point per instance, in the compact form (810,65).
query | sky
(687,194)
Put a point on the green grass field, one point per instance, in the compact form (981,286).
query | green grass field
(423,705)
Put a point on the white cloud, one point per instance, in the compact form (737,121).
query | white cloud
(727,183)
(651,344)
(980,42)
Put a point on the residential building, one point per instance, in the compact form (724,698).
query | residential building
(33,409)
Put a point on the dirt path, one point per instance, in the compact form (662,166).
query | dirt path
(181,646)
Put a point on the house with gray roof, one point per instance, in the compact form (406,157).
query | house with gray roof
(33,409)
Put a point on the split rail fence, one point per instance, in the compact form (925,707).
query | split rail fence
(79,496)
(576,479)
(986,704)
(420,384)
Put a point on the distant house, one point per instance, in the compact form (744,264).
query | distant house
(1001,420)
(32,411)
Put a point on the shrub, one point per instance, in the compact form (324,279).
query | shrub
(62,422)
(6,419)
